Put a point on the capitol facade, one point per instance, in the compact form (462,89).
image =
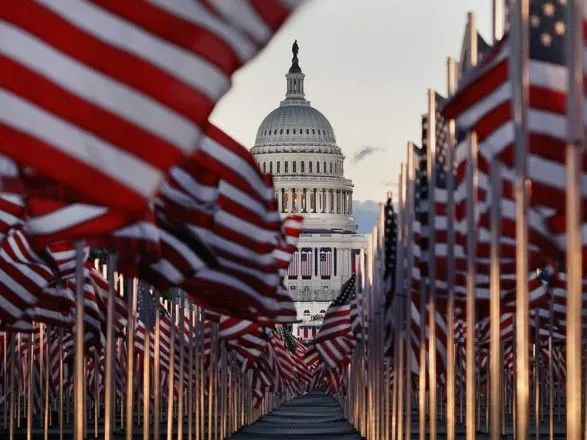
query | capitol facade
(296,144)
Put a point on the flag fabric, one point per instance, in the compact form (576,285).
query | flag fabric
(133,84)
(325,263)
(335,339)
(293,269)
(306,263)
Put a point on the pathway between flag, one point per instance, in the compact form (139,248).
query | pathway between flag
(311,416)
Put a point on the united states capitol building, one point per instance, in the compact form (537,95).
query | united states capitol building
(296,144)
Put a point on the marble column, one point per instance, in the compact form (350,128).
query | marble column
(331,204)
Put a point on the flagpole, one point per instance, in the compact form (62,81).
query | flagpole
(191,370)
(130,288)
(147,382)
(400,297)
(171,373)
(30,365)
(60,415)
(495,358)
(181,365)
(109,350)
(550,366)
(79,343)
(46,390)
(497,20)
(519,64)
(471,181)
(431,173)
(450,242)
(156,370)
(96,393)
(408,285)
(573,218)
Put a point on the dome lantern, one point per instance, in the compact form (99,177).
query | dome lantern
(295,77)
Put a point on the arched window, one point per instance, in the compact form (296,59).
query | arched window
(281,131)
(318,167)
(302,166)
(278,167)
(275,131)
(264,167)
(324,167)
(313,131)
(322,312)
(294,166)
(309,167)
(306,313)
(330,167)
(294,131)
(271,167)
(287,131)
(286,170)
(307,131)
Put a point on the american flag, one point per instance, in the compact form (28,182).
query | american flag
(335,339)
(306,263)
(420,220)
(294,266)
(483,104)
(133,83)
(390,249)
(326,262)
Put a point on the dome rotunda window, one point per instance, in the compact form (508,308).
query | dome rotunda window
(302,167)
(286,168)
(309,167)
(294,166)
(325,167)
(307,131)
(294,131)
(275,131)
(313,131)
(287,131)
(318,167)
(278,167)
(271,167)
(281,131)
(330,167)
(264,167)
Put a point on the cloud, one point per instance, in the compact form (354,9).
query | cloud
(365,152)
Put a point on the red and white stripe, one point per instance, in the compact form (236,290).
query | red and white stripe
(113,78)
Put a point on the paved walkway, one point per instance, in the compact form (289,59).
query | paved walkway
(315,416)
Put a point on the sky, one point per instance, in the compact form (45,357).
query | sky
(368,66)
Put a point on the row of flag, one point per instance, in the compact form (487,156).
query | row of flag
(481,286)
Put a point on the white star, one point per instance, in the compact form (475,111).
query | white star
(546,39)
(548,9)
(559,28)
(535,21)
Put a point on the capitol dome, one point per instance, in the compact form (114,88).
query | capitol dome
(296,144)
(295,121)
